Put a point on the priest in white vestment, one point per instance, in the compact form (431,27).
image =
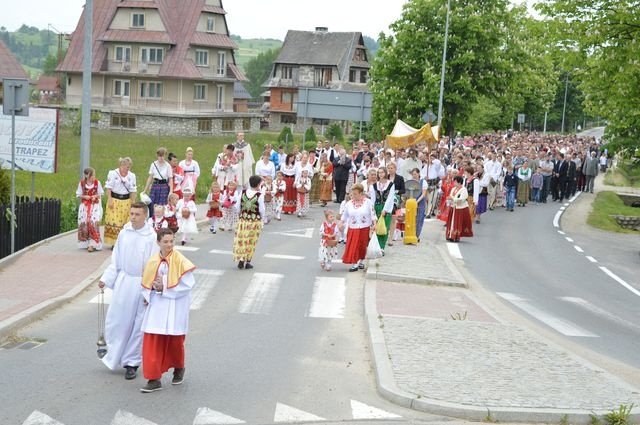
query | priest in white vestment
(134,246)
(245,160)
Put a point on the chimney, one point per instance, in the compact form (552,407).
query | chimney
(322,29)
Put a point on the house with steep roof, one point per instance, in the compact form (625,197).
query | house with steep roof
(160,65)
(10,67)
(314,59)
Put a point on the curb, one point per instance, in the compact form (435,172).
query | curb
(16,254)
(388,389)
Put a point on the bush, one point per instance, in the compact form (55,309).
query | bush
(68,215)
(285,135)
(5,186)
(310,135)
(334,133)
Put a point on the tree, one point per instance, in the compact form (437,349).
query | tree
(50,64)
(258,70)
(406,72)
(334,133)
(605,37)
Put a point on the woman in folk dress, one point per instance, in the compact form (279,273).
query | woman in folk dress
(279,188)
(360,218)
(290,194)
(191,170)
(303,186)
(325,180)
(459,221)
(121,191)
(90,211)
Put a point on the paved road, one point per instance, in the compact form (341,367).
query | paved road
(285,341)
(558,279)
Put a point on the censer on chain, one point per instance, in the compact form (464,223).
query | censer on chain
(102,344)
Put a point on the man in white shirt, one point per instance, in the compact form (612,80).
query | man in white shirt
(492,169)
(409,164)
(432,172)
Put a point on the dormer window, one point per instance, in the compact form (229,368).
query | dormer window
(137,20)
(360,55)
(211,24)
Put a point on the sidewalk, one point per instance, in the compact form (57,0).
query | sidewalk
(40,278)
(479,368)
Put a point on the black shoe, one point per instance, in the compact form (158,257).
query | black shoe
(178,376)
(248,265)
(152,385)
(241,264)
(361,266)
(131,373)
(353,268)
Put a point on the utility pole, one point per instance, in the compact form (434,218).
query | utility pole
(85,131)
(444,62)
(564,107)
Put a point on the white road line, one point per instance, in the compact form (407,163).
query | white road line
(328,299)
(620,281)
(284,257)
(261,293)
(362,411)
(185,248)
(220,251)
(556,219)
(600,312)
(562,208)
(38,418)
(561,232)
(567,204)
(286,413)
(206,416)
(577,248)
(454,250)
(569,239)
(560,325)
(590,258)
(573,198)
(297,233)
(123,417)
(206,281)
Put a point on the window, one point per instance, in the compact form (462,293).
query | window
(288,119)
(211,24)
(222,66)
(151,54)
(200,92)
(320,121)
(227,124)
(151,90)
(363,76)
(204,126)
(360,55)
(122,54)
(202,58)
(286,98)
(220,97)
(246,123)
(322,77)
(120,88)
(123,121)
(352,75)
(287,72)
(137,20)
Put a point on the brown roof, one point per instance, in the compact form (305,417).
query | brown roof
(48,83)
(180,19)
(138,4)
(9,65)
(236,72)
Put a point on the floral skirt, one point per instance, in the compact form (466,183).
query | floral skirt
(326,189)
(115,218)
(290,193)
(244,243)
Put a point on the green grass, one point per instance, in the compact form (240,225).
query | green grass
(606,204)
(108,146)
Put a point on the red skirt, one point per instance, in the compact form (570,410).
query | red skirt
(459,224)
(214,212)
(356,249)
(161,353)
(290,194)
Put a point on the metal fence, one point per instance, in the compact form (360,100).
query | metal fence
(35,220)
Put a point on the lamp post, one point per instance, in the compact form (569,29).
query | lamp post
(564,106)
(444,62)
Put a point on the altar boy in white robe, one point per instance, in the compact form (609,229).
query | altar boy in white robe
(134,246)
(166,286)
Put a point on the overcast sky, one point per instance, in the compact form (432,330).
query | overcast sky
(246,18)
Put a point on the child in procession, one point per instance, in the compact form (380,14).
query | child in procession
(187,215)
(214,200)
(279,187)
(328,240)
(303,186)
(269,202)
(170,212)
(230,202)
(158,221)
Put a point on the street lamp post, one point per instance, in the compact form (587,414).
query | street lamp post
(444,62)
(564,106)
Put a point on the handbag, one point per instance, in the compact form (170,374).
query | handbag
(226,203)
(332,242)
(185,213)
(373,249)
(381,227)
(214,204)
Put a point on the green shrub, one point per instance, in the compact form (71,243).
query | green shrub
(68,215)
(285,136)
(5,186)
(310,135)
(334,133)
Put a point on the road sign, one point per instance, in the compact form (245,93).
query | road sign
(521,119)
(16,96)
(429,116)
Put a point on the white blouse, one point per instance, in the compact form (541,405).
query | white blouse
(122,185)
(359,217)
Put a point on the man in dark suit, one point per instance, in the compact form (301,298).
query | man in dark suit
(561,188)
(572,176)
(341,170)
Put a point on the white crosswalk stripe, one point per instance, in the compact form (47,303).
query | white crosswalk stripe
(186,248)
(206,280)
(123,417)
(560,325)
(39,418)
(328,298)
(360,410)
(206,416)
(286,413)
(284,257)
(261,293)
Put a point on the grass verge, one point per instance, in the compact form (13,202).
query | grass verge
(606,204)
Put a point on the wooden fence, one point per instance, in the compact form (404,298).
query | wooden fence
(35,220)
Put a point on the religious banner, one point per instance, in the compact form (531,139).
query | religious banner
(36,141)
(403,135)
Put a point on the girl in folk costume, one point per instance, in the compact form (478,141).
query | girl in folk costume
(421,200)
(383,196)
(269,199)
(481,191)
(290,193)
(158,221)
(303,186)
(279,188)
(251,210)
(187,214)
(445,203)
(328,240)
(160,180)
(524,174)
(121,192)
(90,211)
(325,180)
(230,201)
(191,170)
(469,185)
(171,211)
(178,174)
(214,199)
(459,221)
(360,217)
(225,168)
